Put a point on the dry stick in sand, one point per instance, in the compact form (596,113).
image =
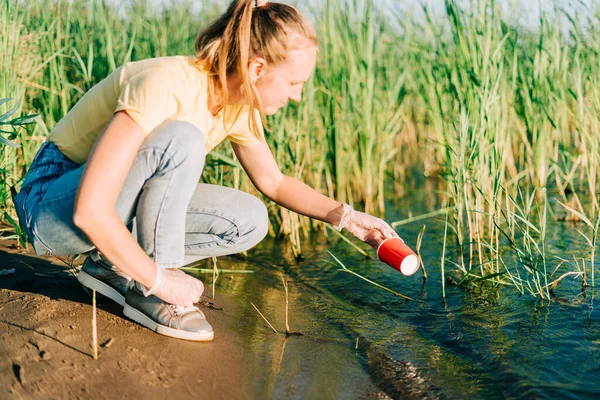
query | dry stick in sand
(215,276)
(266,320)
(287,303)
(285,286)
(94,330)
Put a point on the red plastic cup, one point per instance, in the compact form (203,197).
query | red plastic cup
(395,253)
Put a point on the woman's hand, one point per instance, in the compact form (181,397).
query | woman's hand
(176,287)
(369,229)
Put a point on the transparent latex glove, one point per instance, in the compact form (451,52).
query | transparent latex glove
(369,229)
(175,287)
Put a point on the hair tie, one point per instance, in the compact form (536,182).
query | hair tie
(260,3)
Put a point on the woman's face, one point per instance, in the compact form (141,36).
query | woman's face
(276,85)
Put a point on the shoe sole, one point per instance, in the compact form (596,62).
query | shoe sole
(94,284)
(146,321)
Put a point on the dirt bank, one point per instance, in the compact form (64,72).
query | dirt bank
(46,344)
(45,352)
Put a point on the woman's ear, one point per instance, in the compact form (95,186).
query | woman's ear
(257,68)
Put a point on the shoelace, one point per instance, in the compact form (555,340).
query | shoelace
(183,310)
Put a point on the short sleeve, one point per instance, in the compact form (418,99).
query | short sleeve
(147,98)
(240,133)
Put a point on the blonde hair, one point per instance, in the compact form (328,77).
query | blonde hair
(245,31)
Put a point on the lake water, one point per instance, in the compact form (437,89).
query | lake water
(481,345)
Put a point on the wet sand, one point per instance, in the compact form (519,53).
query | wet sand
(46,347)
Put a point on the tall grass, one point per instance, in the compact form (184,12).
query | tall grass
(506,116)
(511,111)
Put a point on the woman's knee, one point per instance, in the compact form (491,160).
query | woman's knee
(258,218)
(238,219)
(252,225)
(179,140)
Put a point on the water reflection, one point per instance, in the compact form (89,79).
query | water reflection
(482,344)
(320,364)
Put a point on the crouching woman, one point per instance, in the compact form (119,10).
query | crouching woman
(119,175)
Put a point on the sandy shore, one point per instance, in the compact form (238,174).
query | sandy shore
(46,347)
(46,351)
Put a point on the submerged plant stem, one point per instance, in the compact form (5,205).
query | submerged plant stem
(263,317)
(418,250)
(344,269)
(361,251)
(443,255)
(377,284)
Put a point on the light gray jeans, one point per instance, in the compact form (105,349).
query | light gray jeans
(175,220)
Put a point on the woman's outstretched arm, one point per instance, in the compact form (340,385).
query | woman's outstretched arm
(289,192)
(260,165)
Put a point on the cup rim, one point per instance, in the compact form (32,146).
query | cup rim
(413,271)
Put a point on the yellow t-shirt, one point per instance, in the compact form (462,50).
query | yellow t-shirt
(151,92)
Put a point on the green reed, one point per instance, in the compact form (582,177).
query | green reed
(510,112)
(506,116)
(9,132)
